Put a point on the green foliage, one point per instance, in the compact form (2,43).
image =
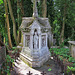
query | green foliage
(13,48)
(49,69)
(28,7)
(4,15)
(73,64)
(6,65)
(1,1)
(62,45)
(71,69)
(71,59)
(60,58)
(69,21)
(64,52)
(55,12)
(9,59)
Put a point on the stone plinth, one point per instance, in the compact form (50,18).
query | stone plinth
(36,37)
(72,48)
(37,58)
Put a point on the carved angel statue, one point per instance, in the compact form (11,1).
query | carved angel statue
(35,40)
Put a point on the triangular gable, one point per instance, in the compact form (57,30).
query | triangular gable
(35,24)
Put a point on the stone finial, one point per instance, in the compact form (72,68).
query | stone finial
(35,11)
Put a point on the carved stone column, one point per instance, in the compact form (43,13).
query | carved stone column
(40,41)
(23,40)
(31,42)
(46,40)
(39,33)
(31,39)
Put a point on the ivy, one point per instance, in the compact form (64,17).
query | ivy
(1,1)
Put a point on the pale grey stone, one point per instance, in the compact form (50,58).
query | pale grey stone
(72,48)
(37,39)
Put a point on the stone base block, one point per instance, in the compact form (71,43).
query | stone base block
(32,62)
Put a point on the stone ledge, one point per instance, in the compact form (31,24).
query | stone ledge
(71,42)
(26,57)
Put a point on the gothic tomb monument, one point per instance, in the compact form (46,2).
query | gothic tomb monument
(37,37)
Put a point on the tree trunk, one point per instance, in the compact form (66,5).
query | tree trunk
(13,20)
(63,26)
(7,21)
(19,37)
(19,5)
(44,8)
(18,16)
(22,8)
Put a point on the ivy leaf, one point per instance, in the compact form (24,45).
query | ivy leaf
(1,1)
(4,15)
(49,69)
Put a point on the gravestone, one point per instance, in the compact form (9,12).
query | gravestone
(72,48)
(36,38)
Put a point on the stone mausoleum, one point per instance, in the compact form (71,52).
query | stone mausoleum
(36,38)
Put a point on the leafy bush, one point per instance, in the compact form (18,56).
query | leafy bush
(62,45)
(73,64)
(71,69)
(64,52)
(6,66)
(71,59)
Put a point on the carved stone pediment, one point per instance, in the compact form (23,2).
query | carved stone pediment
(35,25)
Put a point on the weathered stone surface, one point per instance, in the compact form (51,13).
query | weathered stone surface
(72,48)
(35,62)
(35,44)
(2,54)
(37,59)
(36,37)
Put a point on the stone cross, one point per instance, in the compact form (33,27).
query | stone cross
(29,73)
(35,11)
(43,73)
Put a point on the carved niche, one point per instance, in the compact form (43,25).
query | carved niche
(43,40)
(35,40)
(27,41)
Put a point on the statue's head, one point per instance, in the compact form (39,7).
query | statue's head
(35,33)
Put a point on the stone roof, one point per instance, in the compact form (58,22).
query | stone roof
(27,22)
